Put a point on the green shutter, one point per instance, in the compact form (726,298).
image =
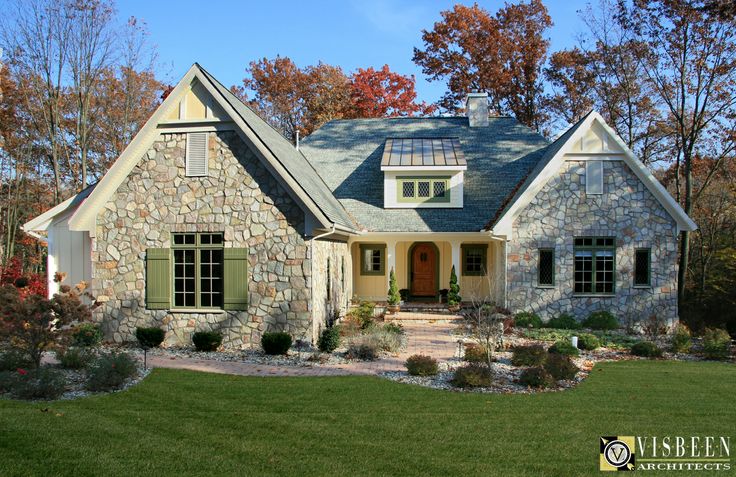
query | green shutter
(158,278)
(236,279)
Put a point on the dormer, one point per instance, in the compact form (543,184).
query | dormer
(422,172)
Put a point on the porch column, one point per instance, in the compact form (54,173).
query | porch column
(390,259)
(456,256)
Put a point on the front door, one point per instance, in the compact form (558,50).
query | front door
(424,270)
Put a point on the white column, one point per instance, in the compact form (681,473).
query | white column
(390,259)
(456,256)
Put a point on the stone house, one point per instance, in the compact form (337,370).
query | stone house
(211,220)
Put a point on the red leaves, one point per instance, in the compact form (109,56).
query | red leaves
(26,283)
(383,93)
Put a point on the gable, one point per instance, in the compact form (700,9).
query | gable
(199,102)
(591,139)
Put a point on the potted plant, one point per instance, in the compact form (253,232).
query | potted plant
(453,294)
(394,298)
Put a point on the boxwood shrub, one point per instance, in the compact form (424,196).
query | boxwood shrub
(150,337)
(526,319)
(421,365)
(329,339)
(601,320)
(560,366)
(564,322)
(87,334)
(646,349)
(536,377)
(276,342)
(564,347)
(471,376)
(532,355)
(588,342)
(207,340)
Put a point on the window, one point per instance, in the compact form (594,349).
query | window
(474,259)
(423,189)
(642,267)
(595,264)
(196,154)
(546,275)
(198,270)
(594,177)
(372,258)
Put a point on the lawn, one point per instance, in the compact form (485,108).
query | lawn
(187,423)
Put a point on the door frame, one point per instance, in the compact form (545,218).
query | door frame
(410,265)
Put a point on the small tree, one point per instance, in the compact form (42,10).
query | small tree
(453,296)
(394,297)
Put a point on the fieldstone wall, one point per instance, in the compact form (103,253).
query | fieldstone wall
(339,275)
(240,198)
(561,211)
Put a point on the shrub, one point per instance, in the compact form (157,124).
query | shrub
(383,339)
(7,379)
(12,359)
(365,313)
(363,351)
(532,355)
(601,320)
(564,347)
(74,357)
(526,319)
(681,341)
(150,337)
(453,294)
(474,353)
(329,339)
(716,343)
(210,340)
(646,349)
(87,334)
(560,366)
(421,365)
(110,371)
(564,322)
(350,325)
(275,343)
(395,328)
(588,342)
(393,298)
(41,383)
(536,377)
(471,376)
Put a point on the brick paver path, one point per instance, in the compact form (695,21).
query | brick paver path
(430,338)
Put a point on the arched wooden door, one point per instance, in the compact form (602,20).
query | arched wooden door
(424,270)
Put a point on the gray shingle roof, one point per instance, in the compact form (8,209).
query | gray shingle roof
(292,160)
(347,154)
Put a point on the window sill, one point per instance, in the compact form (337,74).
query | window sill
(594,295)
(642,287)
(546,287)
(214,311)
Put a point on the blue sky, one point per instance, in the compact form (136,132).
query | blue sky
(223,36)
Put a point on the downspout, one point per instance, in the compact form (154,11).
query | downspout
(311,268)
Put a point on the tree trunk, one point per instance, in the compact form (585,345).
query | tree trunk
(685,235)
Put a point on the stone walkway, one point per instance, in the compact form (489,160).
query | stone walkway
(430,338)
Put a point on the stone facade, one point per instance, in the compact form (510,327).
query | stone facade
(561,211)
(337,255)
(239,198)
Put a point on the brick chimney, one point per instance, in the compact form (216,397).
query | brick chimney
(476,107)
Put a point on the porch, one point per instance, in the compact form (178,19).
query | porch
(423,263)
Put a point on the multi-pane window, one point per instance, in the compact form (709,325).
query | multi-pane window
(474,259)
(372,258)
(198,270)
(642,267)
(546,275)
(595,265)
(424,189)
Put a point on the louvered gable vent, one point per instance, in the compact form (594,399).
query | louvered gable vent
(196,154)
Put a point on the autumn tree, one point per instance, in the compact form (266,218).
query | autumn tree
(383,93)
(502,55)
(573,84)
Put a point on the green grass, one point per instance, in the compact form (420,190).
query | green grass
(187,423)
(608,339)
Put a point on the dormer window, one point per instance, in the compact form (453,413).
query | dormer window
(423,172)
